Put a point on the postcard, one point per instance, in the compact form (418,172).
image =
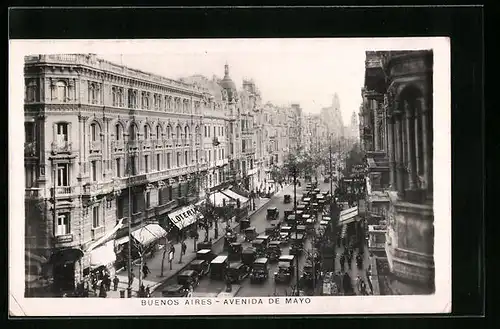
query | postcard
(230,177)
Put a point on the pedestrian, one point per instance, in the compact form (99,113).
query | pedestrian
(148,292)
(145,270)
(115,283)
(131,278)
(107,281)
(142,291)
(183,247)
(102,290)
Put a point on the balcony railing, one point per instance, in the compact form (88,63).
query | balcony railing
(33,193)
(117,145)
(64,190)
(250,132)
(61,147)
(30,149)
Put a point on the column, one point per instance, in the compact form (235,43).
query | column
(375,125)
(399,153)
(416,119)
(425,150)
(410,156)
(391,151)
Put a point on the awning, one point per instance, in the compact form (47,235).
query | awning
(145,235)
(235,196)
(184,217)
(28,255)
(103,255)
(106,237)
(348,216)
(122,240)
(218,198)
(69,255)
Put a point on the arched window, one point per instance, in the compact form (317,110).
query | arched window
(133,132)
(169,132)
(118,132)
(178,159)
(61,91)
(158,131)
(120,97)
(114,96)
(186,131)
(179,132)
(146,132)
(186,162)
(94,131)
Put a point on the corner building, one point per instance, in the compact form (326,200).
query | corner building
(97,135)
(396,134)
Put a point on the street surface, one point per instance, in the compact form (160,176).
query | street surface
(259,221)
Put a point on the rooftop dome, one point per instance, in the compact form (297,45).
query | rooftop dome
(227,83)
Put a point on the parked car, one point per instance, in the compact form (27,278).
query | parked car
(250,233)
(234,251)
(188,279)
(248,256)
(244,224)
(201,266)
(205,254)
(175,290)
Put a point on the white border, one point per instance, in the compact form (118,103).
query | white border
(440,302)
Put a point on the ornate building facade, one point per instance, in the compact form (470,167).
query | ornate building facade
(396,133)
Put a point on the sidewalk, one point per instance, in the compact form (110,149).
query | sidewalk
(154,280)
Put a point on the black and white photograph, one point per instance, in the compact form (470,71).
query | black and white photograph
(243,176)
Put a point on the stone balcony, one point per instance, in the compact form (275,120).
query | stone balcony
(117,145)
(97,232)
(64,191)
(95,147)
(61,147)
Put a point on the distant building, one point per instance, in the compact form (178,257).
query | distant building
(332,116)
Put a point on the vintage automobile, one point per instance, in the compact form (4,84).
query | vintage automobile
(310,226)
(260,270)
(327,180)
(309,186)
(326,218)
(237,272)
(274,250)
(244,224)
(260,247)
(265,238)
(234,252)
(218,268)
(324,223)
(201,266)
(250,233)
(317,190)
(298,216)
(272,213)
(248,256)
(302,207)
(287,213)
(315,207)
(297,241)
(204,245)
(175,290)
(307,200)
(285,234)
(321,203)
(205,254)
(305,218)
(309,275)
(188,279)
(271,231)
(285,270)
(301,229)
(290,219)
(287,198)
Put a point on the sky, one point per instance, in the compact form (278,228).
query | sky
(304,71)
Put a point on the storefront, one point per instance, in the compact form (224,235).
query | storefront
(63,268)
(220,200)
(184,220)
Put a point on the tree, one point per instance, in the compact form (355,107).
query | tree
(139,242)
